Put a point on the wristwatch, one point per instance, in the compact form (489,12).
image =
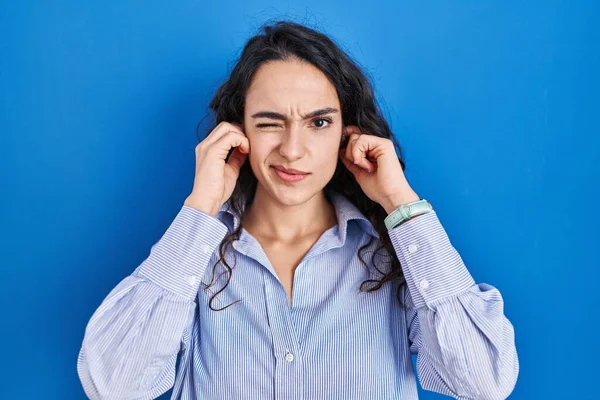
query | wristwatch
(406,212)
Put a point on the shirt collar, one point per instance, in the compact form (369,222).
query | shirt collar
(345,211)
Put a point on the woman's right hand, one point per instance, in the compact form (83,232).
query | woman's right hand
(215,179)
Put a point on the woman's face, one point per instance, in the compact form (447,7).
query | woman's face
(289,136)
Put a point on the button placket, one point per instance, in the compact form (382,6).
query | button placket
(289,357)
(288,367)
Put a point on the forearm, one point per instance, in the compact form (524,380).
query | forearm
(467,344)
(138,330)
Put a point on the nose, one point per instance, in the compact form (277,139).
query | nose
(292,144)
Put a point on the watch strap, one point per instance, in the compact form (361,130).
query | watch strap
(406,212)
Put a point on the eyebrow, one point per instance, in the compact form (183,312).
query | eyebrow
(312,114)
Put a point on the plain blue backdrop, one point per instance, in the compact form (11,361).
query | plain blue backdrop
(495,104)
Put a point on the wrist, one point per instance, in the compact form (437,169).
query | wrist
(393,202)
(201,206)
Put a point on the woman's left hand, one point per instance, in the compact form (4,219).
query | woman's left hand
(385,183)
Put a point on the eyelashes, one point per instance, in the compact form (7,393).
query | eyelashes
(328,120)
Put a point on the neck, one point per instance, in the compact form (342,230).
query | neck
(267,218)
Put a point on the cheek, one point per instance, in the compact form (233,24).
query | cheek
(261,145)
(258,156)
(329,156)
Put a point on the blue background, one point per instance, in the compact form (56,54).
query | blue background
(495,103)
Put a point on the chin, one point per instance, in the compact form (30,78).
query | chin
(291,195)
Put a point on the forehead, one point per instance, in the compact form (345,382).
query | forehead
(288,84)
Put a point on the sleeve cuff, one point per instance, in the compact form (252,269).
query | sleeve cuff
(178,261)
(432,267)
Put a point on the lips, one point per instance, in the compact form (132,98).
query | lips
(289,178)
(289,171)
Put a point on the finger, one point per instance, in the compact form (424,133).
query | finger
(237,159)
(348,148)
(354,169)
(229,140)
(216,133)
(221,130)
(358,152)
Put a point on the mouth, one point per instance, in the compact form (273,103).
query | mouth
(288,176)
(289,171)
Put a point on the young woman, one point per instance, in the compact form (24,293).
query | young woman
(321,268)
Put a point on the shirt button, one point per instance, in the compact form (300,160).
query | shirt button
(412,248)
(424,284)
(289,357)
(204,248)
(192,279)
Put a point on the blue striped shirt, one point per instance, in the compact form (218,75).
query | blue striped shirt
(154,330)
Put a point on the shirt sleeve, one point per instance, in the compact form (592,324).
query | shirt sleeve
(464,343)
(133,338)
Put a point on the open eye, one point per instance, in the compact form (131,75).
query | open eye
(328,120)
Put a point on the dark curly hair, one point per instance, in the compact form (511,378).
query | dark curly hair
(285,40)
